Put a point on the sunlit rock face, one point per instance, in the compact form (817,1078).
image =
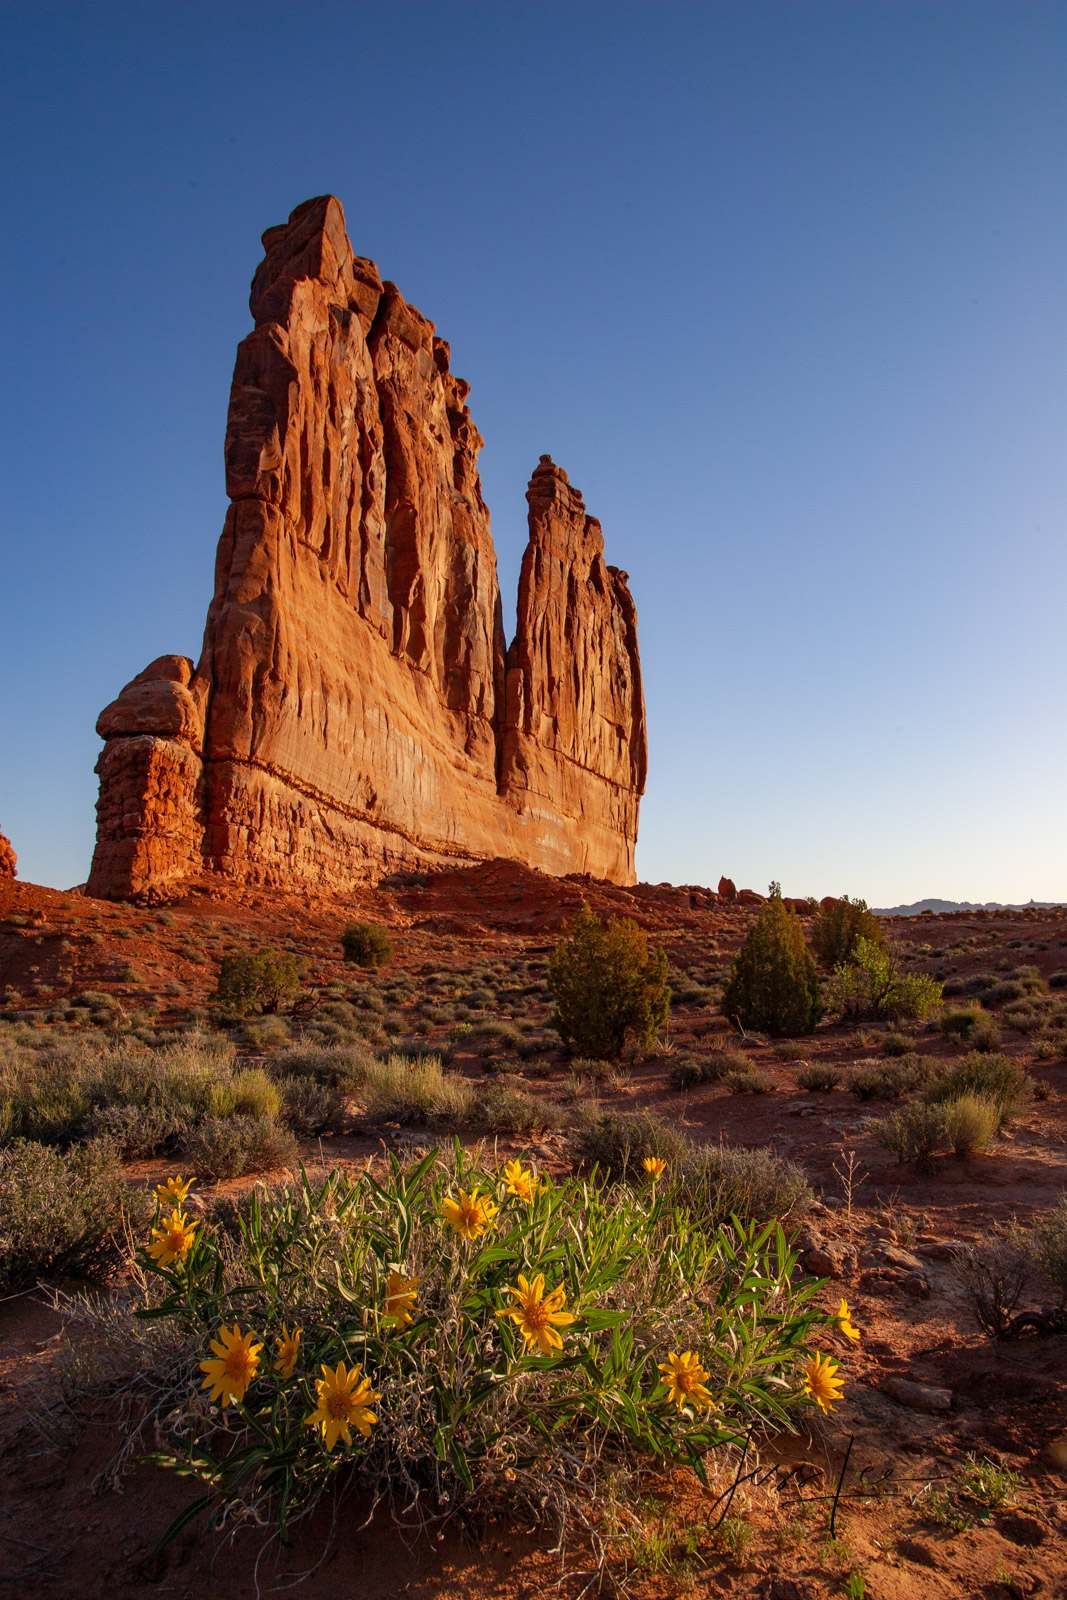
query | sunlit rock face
(355,708)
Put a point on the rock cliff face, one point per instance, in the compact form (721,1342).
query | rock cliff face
(8,859)
(355,708)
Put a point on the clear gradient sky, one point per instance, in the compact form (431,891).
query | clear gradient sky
(782,285)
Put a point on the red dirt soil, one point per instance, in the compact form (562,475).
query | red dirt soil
(61,1533)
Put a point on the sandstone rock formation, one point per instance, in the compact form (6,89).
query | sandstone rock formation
(355,708)
(8,859)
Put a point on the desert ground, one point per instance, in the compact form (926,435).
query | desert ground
(947,1454)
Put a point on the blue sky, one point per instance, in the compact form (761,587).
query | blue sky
(780,284)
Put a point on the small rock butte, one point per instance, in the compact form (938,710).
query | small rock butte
(355,709)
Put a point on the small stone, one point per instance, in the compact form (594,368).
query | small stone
(901,1258)
(917,1396)
(1053,1456)
(916,1284)
(943,1249)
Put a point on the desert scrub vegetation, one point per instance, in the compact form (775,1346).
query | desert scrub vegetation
(144,1101)
(415,1090)
(367,944)
(818,1077)
(773,986)
(837,928)
(971,1025)
(869,987)
(689,1070)
(609,989)
(889,1080)
(452,1336)
(65,1212)
(251,982)
(716,1182)
(997,1079)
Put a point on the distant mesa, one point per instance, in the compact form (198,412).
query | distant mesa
(356,708)
(8,859)
(917,907)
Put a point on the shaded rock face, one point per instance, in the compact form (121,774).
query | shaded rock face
(355,708)
(8,859)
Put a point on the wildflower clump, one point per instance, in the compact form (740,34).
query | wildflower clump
(466,1320)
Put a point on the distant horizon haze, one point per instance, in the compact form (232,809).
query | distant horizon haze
(783,289)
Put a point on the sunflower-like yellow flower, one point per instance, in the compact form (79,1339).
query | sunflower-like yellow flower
(173,1240)
(174,1191)
(344,1402)
(684,1378)
(537,1314)
(844,1323)
(287,1351)
(520,1181)
(236,1364)
(821,1382)
(654,1166)
(400,1298)
(470,1215)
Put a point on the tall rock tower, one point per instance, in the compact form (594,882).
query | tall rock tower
(355,708)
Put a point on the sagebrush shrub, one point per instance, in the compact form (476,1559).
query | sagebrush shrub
(751,1080)
(1045,1246)
(914,1133)
(971,1123)
(311,1108)
(618,1142)
(820,1077)
(995,1078)
(416,1091)
(61,1212)
(367,944)
(773,986)
(687,1071)
(717,1182)
(237,1146)
(837,928)
(505,1110)
(609,989)
(889,1080)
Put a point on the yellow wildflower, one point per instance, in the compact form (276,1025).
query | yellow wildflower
(684,1378)
(844,1323)
(173,1240)
(344,1401)
(520,1181)
(821,1382)
(287,1351)
(400,1298)
(538,1315)
(654,1165)
(174,1191)
(470,1215)
(236,1365)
